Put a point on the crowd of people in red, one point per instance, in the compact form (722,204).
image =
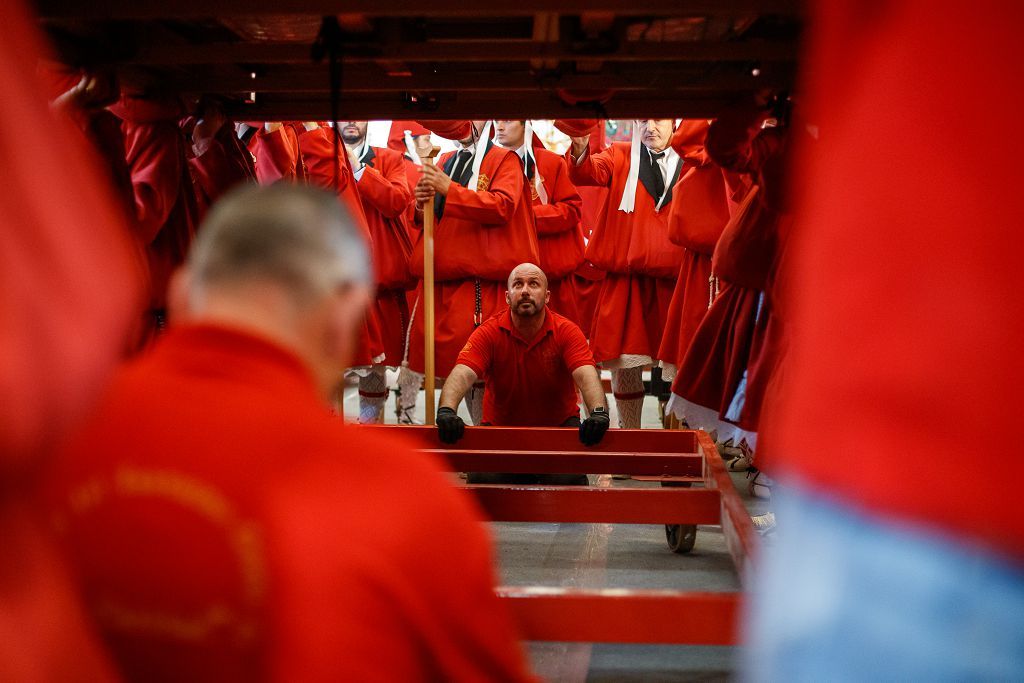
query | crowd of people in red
(690,249)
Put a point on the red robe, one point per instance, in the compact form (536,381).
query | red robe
(237,545)
(412,176)
(587,280)
(558,231)
(700,211)
(166,212)
(316,153)
(732,332)
(634,250)
(223,164)
(738,145)
(69,289)
(277,155)
(386,201)
(480,237)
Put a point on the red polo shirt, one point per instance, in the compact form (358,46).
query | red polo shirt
(529,382)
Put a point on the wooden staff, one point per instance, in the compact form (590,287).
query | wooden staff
(429,371)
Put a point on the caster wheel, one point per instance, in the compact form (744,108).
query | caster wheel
(680,537)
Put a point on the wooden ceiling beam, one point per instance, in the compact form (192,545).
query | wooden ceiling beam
(205,9)
(537,105)
(157,54)
(314,79)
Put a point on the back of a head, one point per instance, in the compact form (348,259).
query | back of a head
(300,239)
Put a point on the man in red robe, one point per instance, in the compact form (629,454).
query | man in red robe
(380,177)
(305,152)
(236,544)
(326,163)
(631,245)
(218,159)
(556,209)
(412,140)
(699,213)
(484,229)
(715,388)
(165,208)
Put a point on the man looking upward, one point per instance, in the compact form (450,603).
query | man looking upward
(556,207)
(531,357)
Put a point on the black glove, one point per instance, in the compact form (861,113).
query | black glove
(593,428)
(450,426)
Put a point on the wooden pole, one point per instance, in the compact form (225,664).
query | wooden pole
(429,371)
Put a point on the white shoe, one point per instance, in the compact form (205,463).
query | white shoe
(764,524)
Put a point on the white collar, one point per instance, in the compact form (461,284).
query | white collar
(670,154)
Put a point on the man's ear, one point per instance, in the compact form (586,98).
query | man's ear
(508,297)
(179,292)
(547,296)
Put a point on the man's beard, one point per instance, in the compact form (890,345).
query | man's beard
(350,138)
(527,311)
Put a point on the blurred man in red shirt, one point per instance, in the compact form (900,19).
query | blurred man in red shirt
(533,360)
(225,527)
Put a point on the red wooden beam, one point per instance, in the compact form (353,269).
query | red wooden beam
(674,441)
(624,616)
(740,537)
(597,505)
(650,464)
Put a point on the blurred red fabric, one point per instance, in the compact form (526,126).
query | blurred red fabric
(69,286)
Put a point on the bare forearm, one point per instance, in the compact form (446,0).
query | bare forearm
(456,385)
(588,381)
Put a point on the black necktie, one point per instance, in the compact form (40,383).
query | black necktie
(456,168)
(659,177)
(462,160)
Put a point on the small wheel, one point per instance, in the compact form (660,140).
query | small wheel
(681,537)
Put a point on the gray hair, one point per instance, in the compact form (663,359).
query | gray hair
(300,238)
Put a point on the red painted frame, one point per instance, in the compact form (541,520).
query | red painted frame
(610,615)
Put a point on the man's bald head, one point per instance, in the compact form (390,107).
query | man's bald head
(527,293)
(524,270)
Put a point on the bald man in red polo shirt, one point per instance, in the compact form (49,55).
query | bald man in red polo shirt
(533,360)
